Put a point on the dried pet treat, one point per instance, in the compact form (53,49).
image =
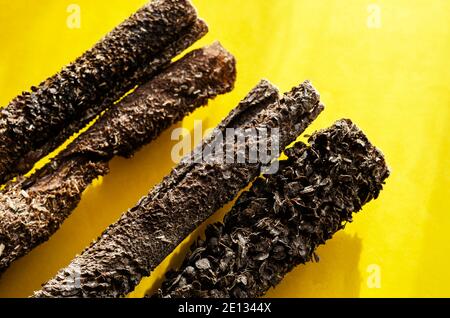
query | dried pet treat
(281,220)
(36,122)
(132,247)
(32,209)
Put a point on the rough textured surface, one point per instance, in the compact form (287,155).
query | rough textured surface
(36,122)
(129,249)
(33,208)
(281,220)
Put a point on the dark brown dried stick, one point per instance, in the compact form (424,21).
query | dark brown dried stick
(36,122)
(281,220)
(144,235)
(32,209)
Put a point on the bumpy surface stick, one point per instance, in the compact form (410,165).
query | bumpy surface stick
(281,220)
(36,122)
(33,208)
(144,235)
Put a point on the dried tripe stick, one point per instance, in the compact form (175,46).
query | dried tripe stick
(36,122)
(133,246)
(32,209)
(284,217)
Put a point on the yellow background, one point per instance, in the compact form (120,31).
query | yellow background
(391,78)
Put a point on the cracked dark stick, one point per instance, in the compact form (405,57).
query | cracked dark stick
(283,218)
(32,209)
(36,122)
(133,246)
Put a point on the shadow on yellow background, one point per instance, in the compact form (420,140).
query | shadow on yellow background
(384,64)
(335,275)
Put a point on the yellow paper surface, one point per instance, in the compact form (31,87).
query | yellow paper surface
(384,64)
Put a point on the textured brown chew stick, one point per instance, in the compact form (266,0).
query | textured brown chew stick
(281,220)
(36,122)
(33,209)
(133,246)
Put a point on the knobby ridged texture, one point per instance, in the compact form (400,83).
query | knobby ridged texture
(36,122)
(144,235)
(33,208)
(281,220)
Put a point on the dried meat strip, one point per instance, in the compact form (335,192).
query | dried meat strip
(133,246)
(36,122)
(32,209)
(283,218)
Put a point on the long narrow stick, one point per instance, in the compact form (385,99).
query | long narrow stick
(32,209)
(36,122)
(133,246)
(282,219)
